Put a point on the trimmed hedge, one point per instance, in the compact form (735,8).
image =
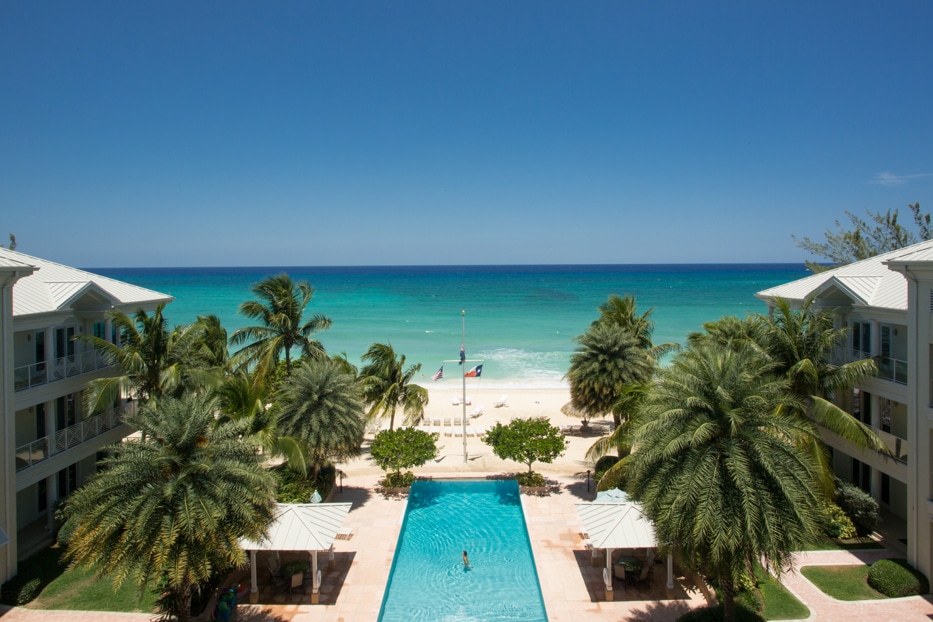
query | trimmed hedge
(530,479)
(895,578)
(836,523)
(398,480)
(19,590)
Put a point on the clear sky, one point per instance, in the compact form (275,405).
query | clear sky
(445,132)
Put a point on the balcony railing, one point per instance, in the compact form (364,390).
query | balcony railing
(896,444)
(38,374)
(47,446)
(892,369)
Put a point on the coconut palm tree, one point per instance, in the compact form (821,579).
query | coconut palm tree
(322,406)
(213,346)
(623,312)
(608,358)
(154,361)
(280,309)
(718,466)
(387,385)
(173,507)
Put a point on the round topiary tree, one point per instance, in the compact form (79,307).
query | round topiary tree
(527,441)
(895,578)
(402,448)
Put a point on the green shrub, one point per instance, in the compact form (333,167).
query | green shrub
(530,479)
(294,567)
(398,480)
(836,523)
(752,599)
(895,578)
(19,590)
(859,506)
(292,486)
(714,614)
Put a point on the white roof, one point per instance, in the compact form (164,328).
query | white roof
(867,283)
(302,527)
(616,525)
(54,287)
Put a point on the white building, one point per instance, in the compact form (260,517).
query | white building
(887,303)
(48,444)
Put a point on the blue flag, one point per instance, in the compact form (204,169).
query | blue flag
(462,355)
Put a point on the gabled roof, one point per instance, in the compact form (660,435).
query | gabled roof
(867,283)
(613,525)
(54,287)
(302,527)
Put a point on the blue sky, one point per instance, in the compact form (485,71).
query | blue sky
(370,133)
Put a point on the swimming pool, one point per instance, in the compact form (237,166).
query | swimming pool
(429,581)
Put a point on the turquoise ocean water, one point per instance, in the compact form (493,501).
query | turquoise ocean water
(520,320)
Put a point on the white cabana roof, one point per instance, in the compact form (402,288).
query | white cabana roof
(302,527)
(616,525)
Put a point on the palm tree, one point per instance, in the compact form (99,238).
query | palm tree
(213,350)
(718,468)
(280,308)
(387,385)
(608,358)
(623,312)
(173,507)
(154,361)
(322,406)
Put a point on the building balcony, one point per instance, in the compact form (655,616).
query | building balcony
(896,444)
(40,374)
(892,369)
(44,448)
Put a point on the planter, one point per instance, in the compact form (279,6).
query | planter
(533,490)
(404,490)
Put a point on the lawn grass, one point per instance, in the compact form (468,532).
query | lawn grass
(852,544)
(842,582)
(780,604)
(79,589)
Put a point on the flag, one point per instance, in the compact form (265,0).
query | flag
(474,373)
(462,355)
(439,374)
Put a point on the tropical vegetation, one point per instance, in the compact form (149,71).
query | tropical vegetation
(280,311)
(718,466)
(387,386)
(526,441)
(171,508)
(403,448)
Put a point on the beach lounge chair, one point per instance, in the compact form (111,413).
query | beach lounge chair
(503,401)
(448,430)
(457,401)
(344,533)
(476,412)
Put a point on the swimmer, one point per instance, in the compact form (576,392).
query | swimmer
(466,560)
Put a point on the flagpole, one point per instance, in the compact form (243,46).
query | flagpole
(463,374)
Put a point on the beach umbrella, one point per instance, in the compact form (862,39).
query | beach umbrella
(572,411)
(613,495)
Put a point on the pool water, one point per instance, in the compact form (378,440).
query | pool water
(429,580)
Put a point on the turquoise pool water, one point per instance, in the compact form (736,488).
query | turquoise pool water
(429,580)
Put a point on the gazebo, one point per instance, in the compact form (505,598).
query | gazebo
(619,524)
(299,527)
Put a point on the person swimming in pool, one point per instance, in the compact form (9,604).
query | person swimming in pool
(466,560)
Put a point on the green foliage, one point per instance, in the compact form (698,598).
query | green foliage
(388,386)
(20,590)
(603,465)
(294,567)
(403,448)
(280,311)
(895,578)
(836,523)
(717,466)
(174,505)
(12,245)
(321,406)
(860,507)
(293,486)
(398,480)
(527,441)
(880,234)
(530,479)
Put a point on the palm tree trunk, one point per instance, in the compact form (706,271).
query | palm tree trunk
(183,600)
(727,589)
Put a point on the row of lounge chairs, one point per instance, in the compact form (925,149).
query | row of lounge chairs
(451,427)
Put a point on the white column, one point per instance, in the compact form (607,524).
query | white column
(253,586)
(48,344)
(108,330)
(609,575)
(875,338)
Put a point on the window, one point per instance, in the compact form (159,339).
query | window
(861,339)
(100,330)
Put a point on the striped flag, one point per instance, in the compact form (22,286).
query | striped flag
(439,374)
(474,373)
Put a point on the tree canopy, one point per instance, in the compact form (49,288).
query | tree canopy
(403,448)
(526,441)
(878,234)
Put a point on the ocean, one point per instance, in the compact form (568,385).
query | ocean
(520,320)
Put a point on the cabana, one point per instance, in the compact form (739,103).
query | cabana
(619,524)
(299,527)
